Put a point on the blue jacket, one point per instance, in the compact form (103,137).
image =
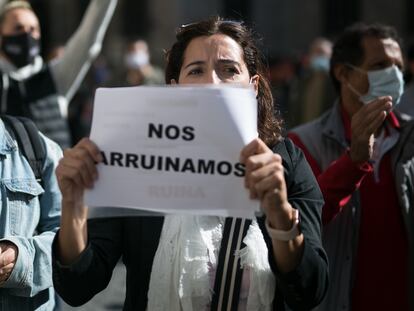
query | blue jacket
(29,218)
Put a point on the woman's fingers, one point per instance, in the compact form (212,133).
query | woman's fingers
(256,146)
(258,170)
(80,160)
(272,182)
(254,168)
(92,149)
(78,165)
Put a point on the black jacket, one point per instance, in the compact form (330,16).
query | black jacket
(136,240)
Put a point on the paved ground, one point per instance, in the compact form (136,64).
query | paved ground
(112,298)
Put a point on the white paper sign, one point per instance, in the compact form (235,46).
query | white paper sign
(174,149)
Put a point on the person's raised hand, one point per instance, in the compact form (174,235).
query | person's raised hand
(364,124)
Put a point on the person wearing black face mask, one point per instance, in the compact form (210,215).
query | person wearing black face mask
(38,90)
(29,209)
(20,49)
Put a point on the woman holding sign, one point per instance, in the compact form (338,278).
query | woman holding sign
(204,263)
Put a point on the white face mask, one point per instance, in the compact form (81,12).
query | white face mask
(384,82)
(136,60)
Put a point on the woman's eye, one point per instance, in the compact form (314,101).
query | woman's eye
(231,70)
(195,71)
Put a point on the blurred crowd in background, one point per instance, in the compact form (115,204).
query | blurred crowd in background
(301,83)
(297,42)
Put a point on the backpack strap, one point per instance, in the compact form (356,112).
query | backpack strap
(29,141)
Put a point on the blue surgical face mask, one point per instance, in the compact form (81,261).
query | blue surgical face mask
(320,63)
(384,82)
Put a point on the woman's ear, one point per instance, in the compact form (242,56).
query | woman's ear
(172,81)
(255,81)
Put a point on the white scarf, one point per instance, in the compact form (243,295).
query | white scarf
(180,279)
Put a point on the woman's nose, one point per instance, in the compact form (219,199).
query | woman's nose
(213,78)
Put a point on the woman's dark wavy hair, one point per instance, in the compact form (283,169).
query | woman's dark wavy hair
(270,127)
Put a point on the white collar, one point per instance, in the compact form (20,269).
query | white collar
(24,72)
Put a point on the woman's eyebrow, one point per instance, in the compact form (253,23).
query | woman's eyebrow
(229,62)
(197,62)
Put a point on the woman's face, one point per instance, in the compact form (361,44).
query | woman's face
(213,60)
